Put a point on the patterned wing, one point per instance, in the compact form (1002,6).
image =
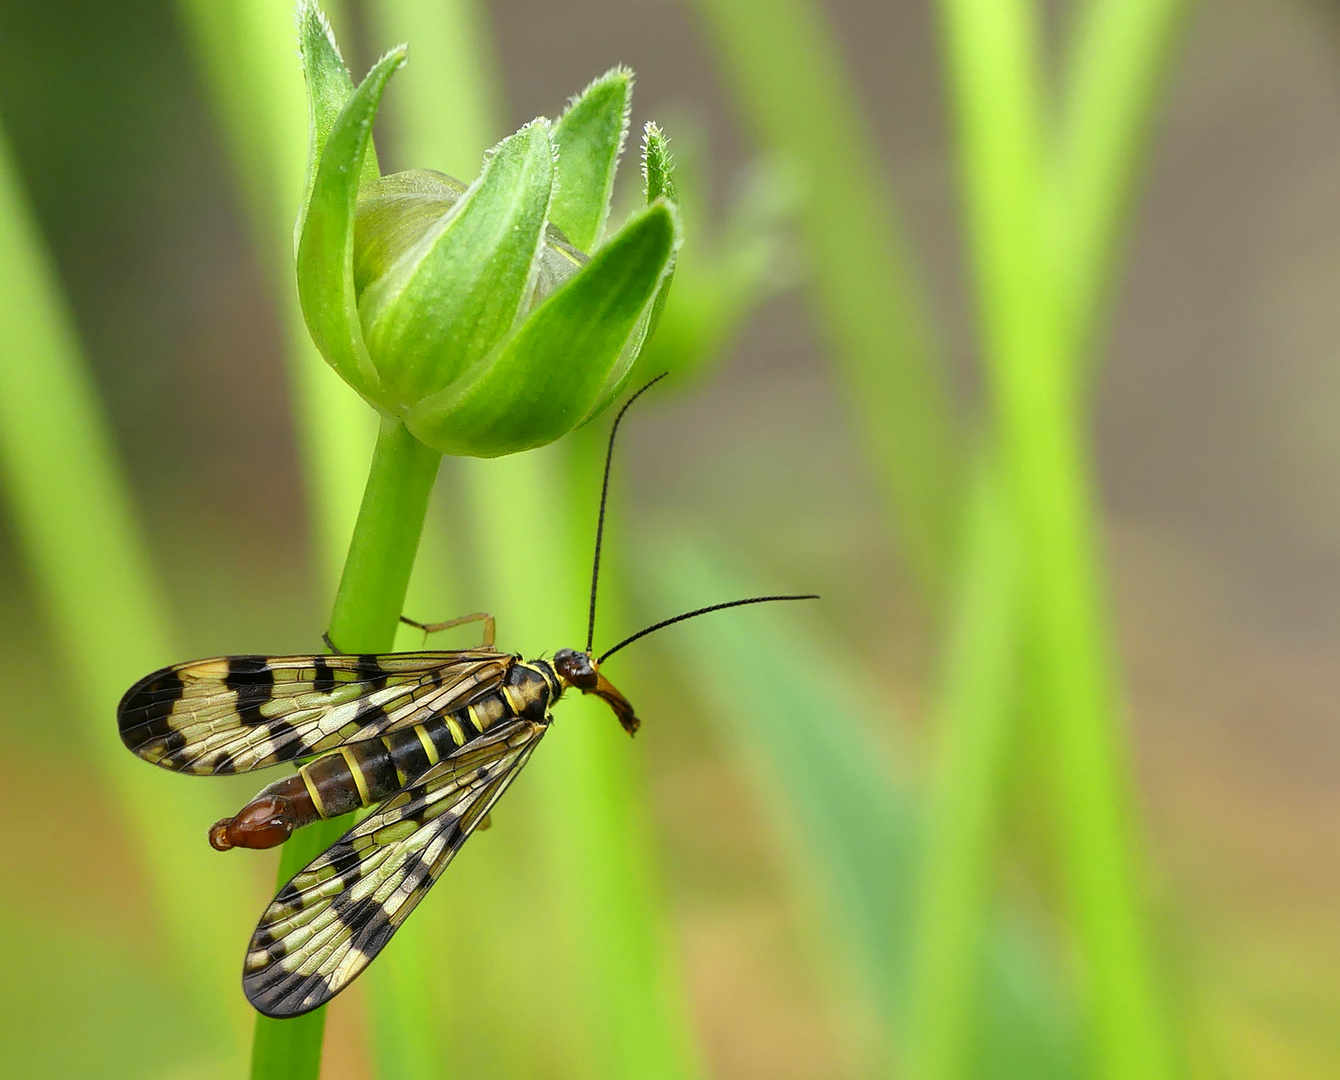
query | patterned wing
(327,924)
(236,713)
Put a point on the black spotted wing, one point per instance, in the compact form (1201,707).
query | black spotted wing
(236,713)
(327,924)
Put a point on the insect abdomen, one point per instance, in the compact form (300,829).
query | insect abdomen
(363,773)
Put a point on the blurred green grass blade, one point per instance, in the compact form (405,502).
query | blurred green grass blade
(807,733)
(973,727)
(1116,60)
(1117,65)
(789,78)
(246,51)
(605,850)
(591,800)
(1025,327)
(1029,1028)
(993,70)
(993,54)
(74,517)
(1068,617)
(638,1013)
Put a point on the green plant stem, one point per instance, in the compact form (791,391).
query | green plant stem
(1040,291)
(366,614)
(245,52)
(74,517)
(381,554)
(443,115)
(793,87)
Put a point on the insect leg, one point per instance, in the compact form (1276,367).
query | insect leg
(478,616)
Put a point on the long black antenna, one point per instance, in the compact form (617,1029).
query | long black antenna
(600,522)
(694,614)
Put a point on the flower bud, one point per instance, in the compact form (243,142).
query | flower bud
(473,313)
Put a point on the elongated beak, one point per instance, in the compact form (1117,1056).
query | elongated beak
(622,707)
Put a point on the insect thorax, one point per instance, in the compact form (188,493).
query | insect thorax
(530,689)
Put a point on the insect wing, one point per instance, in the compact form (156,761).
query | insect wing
(327,924)
(236,713)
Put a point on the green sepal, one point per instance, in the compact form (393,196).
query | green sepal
(551,374)
(658,167)
(326,245)
(329,87)
(658,175)
(451,297)
(590,136)
(658,171)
